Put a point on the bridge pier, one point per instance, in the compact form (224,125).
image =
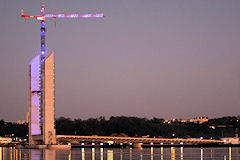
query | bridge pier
(136,145)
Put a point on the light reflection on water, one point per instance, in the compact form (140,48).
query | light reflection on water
(230,153)
(83,154)
(181,153)
(93,153)
(173,153)
(101,152)
(109,154)
(130,153)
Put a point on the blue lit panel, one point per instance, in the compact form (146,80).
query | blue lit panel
(35,96)
(35,115)
(35,73)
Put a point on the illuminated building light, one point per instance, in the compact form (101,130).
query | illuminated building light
(60,15)
(172,143)
(74,16)
(161,143)
(101,144)
(48,15)
(99,15)
(82,144)
(151,143)
(39,18)
(181,143)
(43,25)
(93,144)
(86,16)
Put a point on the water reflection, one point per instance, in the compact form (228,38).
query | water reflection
(101,153)
(50,154)
(173,153)
(211,151)
(83,154)
(110,155)
(3,153)
(121,154)
(141,154)
(161,153)
(11,153)
(35,154)
(93,153)
(70,155)
(151,153)
(130,153)
(181,150)
(230,153)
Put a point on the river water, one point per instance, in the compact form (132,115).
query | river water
(163,153)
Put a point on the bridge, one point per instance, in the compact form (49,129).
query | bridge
(105,139)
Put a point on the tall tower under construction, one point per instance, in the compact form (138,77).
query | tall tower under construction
(42,101)
(42,85)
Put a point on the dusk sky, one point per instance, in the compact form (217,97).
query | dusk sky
(146,58)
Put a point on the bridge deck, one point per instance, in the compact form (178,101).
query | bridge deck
(73,138)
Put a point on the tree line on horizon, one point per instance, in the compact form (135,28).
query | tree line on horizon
(155,127)
(134,127)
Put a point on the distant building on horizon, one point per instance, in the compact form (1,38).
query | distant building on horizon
(21,122)
(5,140)
(199,120)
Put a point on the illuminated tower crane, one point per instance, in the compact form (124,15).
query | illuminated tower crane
(42,17)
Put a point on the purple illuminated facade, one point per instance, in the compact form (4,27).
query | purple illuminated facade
(35,96)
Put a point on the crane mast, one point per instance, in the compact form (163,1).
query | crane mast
(42,59)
